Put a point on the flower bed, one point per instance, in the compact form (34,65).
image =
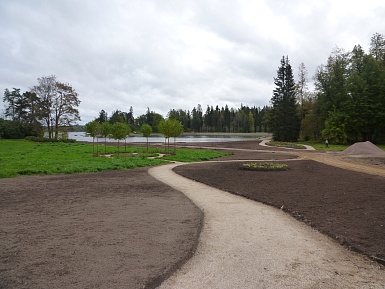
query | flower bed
(264,166)
(286,145)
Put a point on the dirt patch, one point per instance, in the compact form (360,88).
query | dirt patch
(348,206)
(116,229)
(245,150)
(374,161)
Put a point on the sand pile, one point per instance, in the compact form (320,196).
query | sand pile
(365,149)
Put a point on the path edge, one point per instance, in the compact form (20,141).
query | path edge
(157,280)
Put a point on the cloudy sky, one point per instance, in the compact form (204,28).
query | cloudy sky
(165,54)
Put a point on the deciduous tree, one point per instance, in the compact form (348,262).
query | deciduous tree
(302,86)
(64,107)
(120,131)
(57,104)
(105,131)
(146,131)
(170,128)
(377,47)
(93,129)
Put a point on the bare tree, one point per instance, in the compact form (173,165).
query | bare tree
(302,86)
(46,91)
(64,107)
(58,104)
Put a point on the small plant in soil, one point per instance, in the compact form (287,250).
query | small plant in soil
(286,145)
(264,167)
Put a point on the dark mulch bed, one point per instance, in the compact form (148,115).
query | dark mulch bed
(245,150)
(247,145)
(116,229)
(346,205)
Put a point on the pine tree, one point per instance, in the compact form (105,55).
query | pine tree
(284,118)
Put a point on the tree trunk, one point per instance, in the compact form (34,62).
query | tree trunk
(97,147)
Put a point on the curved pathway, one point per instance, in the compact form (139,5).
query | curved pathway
(245,244)
(265,140)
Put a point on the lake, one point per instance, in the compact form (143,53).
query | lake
(201,137)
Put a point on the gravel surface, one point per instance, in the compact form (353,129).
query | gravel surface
(245,244)
(364,149)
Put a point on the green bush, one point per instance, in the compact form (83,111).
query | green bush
(13,129)
(45,139)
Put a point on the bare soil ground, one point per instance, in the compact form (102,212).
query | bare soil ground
(116,229)
(349,206)
(124,229)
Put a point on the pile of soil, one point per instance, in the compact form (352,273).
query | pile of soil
(115,229)
(364,149)
(348,206)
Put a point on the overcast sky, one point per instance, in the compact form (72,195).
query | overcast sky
(165,54)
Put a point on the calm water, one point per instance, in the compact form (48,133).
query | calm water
(81,136)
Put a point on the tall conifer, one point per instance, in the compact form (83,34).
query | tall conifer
(284,118)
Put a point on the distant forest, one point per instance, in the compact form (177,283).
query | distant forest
(224,119)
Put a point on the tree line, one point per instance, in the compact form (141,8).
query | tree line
(49,106)
(349,102)
(347,105)
(120,131)
(242,120)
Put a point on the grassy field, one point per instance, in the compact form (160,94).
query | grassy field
(22,157)
(320,146)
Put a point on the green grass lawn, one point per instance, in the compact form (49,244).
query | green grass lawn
(22,157)
(320,146)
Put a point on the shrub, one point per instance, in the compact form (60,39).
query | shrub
(13,129)
(45,139)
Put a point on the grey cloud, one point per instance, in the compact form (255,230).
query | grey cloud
(173,54)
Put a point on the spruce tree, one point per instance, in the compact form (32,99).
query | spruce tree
(284,119)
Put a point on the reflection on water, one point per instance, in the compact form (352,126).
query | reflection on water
(81,136)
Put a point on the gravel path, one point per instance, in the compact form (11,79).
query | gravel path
(266,140)
(245,244)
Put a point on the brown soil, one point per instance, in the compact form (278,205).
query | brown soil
(124,229)
(116,229)
(348,206)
